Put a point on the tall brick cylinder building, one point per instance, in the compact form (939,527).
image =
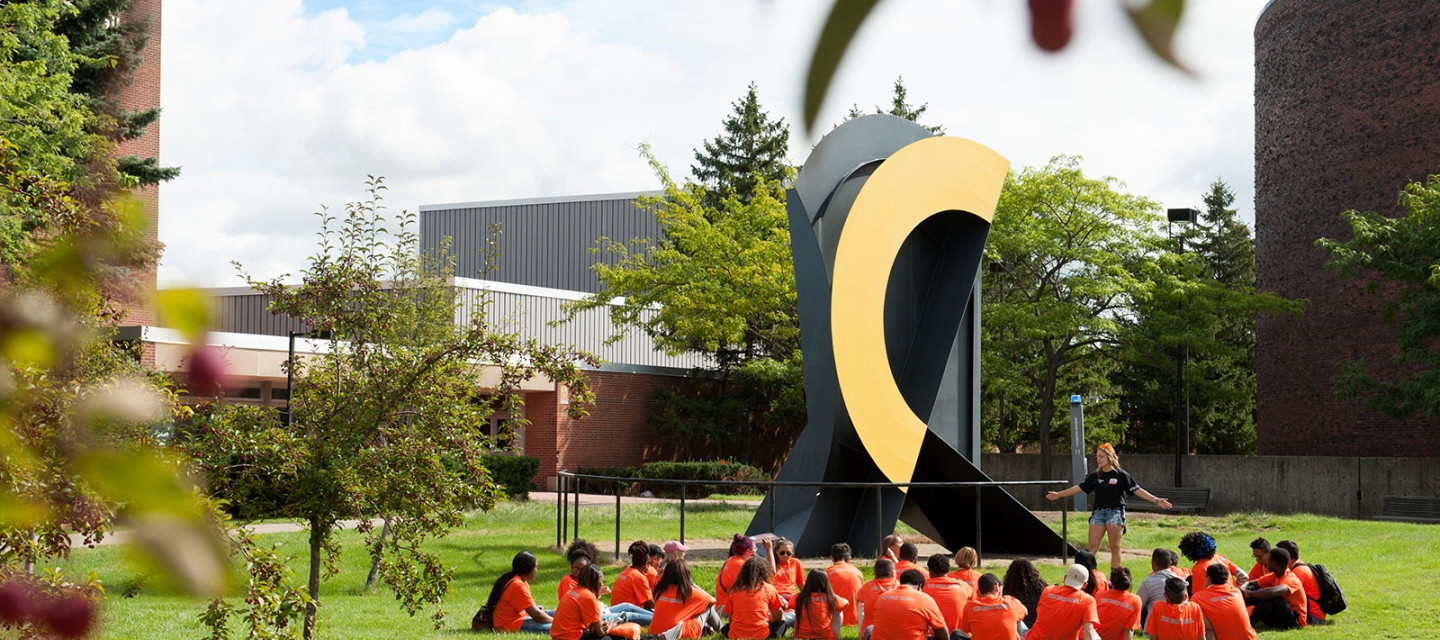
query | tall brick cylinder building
(1347,111)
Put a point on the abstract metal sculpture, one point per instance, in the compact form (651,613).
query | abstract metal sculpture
(888,226)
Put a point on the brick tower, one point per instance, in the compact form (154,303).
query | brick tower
(1347,111)
(144,93)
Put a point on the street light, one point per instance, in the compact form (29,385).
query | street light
(290,369)
(1182,407)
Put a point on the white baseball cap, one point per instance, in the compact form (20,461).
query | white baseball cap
(1077,576)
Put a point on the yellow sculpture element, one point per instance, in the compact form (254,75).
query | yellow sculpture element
(924,178)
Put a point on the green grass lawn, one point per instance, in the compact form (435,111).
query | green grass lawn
(1383,567)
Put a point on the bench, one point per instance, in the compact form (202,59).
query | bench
(1410,509)
(1183,499)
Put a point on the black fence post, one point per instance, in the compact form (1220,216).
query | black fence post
(577,509)
(879,522)
(617,520)
(977,527)
(683,487)
(1064,532)
(559,510)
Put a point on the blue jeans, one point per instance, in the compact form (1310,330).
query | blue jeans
(637,614)
(1104,517)
(531,626)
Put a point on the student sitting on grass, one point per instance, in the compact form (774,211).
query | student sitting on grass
(1278,597)
(1152,589)
(1314,615)
(1097,582)
(681,604)
(579,615)
(756,610)
(948,592)
(789,575)
(511,607)
(992,615)
(909,556)
(818,611)
(871,591)
(965,561)
(1259,548)
(1118,608)
(845,581)
(891,545)
(1175,618)
(1066,611)
(583,554)
(1024,583)
(657,562)
(1223,606)
(742,548)
(1199,548)
(907,613)
(632,586)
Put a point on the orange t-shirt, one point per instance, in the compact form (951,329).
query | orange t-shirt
(869,593)
(1257,571)
(1312,589)
(903,613)
(902,565)
(509,612)
(1200,566)
(631,586)
(845,581)
(1180,572)
(1224,607)
(1061,614)
(1119,610)
(670,610)
(1182,621)
(968,576)
(789,575)
(577,611)
(567,584)
(815,623)
(950,595)
(1296,596)
(1101,584)
(750,611)
(652,575)
(728,572)
(993,617)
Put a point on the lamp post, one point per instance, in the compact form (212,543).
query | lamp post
(290,369)
(1182,407)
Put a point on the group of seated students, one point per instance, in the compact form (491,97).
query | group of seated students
(764,596)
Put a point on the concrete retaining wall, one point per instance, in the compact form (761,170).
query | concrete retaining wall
(1333,486)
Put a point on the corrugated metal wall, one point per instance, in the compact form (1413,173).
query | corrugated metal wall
(530,316)
(250,313)
(542,244)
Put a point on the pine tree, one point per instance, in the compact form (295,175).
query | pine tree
(901,107)
(752,149)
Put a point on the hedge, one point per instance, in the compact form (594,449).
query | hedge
(699,471)
(513,472)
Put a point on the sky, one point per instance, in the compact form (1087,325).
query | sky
(277,108)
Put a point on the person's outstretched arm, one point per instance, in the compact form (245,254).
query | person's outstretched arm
(1159,502)
(1056,495)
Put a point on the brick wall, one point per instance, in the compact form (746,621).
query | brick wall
(616,433)
(1347,111)
(143,93)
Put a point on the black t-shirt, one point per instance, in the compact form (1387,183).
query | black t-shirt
(1110,488)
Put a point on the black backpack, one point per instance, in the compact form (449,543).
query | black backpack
(1332,599)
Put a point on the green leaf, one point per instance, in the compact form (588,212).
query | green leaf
(842,25)
(185,310)
(1156,23)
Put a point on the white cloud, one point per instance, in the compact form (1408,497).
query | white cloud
(271,114)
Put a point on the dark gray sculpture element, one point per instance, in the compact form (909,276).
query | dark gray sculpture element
(932,340)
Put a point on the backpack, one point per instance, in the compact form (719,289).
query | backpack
(483,620)
(1332,599)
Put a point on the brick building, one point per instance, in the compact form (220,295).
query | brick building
(143,92)
(1347,111)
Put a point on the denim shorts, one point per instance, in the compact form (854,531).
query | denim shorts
(1103,517)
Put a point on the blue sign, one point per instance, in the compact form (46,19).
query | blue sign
(1075,399)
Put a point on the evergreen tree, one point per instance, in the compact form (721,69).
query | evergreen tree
(900,106)
(753,149)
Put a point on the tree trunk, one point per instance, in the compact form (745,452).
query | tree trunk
(317,539)
(1047,411)
(375,563)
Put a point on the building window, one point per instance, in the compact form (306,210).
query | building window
(506,436)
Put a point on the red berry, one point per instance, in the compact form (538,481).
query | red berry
(1050,23)
(207,371)
(71,616)
(17,602)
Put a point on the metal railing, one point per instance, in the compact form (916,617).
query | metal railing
(569,483)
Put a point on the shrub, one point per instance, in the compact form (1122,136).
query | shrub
(513,472)
(697,470)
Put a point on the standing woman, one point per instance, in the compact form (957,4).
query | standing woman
(1110,484)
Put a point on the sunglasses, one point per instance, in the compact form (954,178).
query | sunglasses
(783,553)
